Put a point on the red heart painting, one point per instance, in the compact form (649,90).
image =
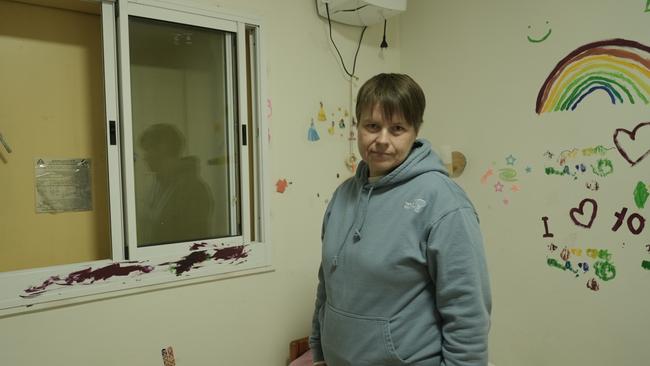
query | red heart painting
(580,212)
(629,138)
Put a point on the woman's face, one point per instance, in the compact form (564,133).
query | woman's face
(384,144)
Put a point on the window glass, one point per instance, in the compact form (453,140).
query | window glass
(185,163)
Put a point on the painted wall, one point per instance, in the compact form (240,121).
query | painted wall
(482,64)
(51,107)
(247,320)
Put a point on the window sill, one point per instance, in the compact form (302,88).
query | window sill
(161,276)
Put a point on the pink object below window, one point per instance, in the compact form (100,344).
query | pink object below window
(304,360)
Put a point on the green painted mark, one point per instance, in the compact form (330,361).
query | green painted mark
(552,262)
(552,171)
(533,40)
(604,254)
(641,194)
(508,174)
(603,168)
(605,270)
(598,150)
(586,84)
(645,265)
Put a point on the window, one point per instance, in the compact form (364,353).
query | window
(127,140)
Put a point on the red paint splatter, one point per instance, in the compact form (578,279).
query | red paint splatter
(88,274)
(281,185)
(104,273)
(188,262)
(197,246)
(230,253)
(37,290)
(192,260)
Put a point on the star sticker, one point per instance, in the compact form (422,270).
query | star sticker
(498,187)
(515,188)
(510,160)
(529,169)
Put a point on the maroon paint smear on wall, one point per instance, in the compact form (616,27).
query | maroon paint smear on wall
(88,274)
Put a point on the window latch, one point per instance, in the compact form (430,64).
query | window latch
(112,132)
(244,135)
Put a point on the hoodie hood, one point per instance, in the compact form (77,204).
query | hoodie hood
(420,160)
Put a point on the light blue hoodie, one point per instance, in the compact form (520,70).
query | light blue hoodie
(403,278)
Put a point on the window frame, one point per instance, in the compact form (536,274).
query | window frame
(114,18)
(233,79)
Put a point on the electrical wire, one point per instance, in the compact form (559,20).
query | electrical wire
(354,63)
(351,10)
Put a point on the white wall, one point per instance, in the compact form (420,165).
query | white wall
(481,76)
(248,320)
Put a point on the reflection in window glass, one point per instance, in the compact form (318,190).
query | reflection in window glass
(185,163)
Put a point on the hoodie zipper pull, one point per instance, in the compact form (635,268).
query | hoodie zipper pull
(335,261)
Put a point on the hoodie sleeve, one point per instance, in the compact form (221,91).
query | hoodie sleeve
(456,261)
(314,339)
(321,299)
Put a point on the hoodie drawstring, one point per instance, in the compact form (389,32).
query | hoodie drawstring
(357,226)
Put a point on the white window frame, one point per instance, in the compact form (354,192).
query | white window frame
(156,13)
(13,285)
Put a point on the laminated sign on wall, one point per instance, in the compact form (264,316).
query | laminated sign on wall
(62,185)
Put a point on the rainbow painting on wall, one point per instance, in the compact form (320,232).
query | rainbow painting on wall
(618,67)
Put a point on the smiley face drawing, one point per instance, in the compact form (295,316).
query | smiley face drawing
(541,39)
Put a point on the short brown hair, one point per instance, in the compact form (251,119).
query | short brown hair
(164,136)
(395,94)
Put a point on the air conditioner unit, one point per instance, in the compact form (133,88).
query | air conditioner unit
(360,12)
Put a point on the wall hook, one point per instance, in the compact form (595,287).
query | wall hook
(5,144)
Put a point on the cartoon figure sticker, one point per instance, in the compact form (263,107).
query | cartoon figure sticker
(312,134)
(322,116)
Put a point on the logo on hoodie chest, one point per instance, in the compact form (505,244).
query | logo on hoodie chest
(415,205)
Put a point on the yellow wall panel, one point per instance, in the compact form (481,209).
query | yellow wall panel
(51,106)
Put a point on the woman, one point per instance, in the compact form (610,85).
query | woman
(403,278)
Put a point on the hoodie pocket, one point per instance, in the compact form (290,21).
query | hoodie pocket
(355,340)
